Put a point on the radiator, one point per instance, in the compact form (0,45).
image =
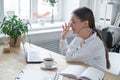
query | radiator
(52,45)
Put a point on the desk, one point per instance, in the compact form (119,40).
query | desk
(12,63)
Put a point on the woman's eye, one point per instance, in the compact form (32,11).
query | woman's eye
(72,22)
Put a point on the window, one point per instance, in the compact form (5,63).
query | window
(20,7)
(27,8)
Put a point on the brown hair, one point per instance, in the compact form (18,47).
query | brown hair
(86,14)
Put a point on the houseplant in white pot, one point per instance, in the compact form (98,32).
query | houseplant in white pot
(15,28)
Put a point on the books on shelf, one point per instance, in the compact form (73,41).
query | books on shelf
(117,21)
(81,73)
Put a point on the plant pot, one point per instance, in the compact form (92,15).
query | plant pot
(11,43)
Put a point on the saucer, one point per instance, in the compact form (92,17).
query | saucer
(45,67)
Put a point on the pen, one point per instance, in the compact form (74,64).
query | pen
(56,76)
(19,75)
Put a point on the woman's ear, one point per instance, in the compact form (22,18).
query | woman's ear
(86,23)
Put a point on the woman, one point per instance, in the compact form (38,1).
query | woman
(87,46)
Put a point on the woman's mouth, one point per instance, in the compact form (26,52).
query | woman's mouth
(73,30)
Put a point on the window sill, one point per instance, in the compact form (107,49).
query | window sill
(47,27)
(37,26)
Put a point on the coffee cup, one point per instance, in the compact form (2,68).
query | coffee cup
(49,62)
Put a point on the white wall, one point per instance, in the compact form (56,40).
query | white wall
(68,7)
(1,10)
(83,3)
(97,10)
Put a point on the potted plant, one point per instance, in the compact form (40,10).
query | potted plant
(15,28)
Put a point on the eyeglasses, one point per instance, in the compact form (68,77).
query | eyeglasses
(72,21)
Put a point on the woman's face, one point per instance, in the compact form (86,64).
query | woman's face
(77,25)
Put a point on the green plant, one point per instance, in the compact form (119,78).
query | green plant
(52,2)
(14,27)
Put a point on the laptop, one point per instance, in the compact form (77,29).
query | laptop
(33,55)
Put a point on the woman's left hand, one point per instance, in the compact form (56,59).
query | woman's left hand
(85,33)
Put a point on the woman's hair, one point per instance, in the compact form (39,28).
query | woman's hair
(86,14)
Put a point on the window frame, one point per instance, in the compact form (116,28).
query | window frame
(33,8)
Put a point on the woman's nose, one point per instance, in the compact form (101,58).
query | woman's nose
(71,24)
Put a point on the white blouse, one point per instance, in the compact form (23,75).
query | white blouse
(92,52)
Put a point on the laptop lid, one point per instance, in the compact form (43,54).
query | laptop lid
(32,55)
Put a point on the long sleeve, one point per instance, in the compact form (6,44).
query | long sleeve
(73,45)
(63,46)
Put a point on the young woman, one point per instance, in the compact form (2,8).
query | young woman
(87,46)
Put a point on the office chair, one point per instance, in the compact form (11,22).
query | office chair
(111,37)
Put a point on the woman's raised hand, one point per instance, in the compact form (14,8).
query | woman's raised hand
(66,28)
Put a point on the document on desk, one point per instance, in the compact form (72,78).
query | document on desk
(30,75)
(37,75)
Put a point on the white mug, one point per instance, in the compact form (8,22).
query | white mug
(49,62)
